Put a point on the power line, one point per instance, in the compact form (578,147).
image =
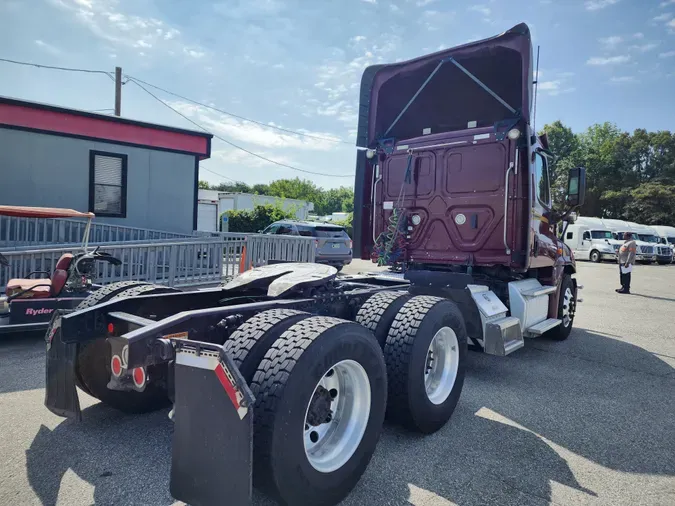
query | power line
(222,111)
(52,67)
(294,132)
(219,175)
(231,143)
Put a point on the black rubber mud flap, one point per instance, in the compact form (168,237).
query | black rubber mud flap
(60,392)
(212,454)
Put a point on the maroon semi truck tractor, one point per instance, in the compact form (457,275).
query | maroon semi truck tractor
(454,190)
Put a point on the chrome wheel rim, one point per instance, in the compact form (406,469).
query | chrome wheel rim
(567,314)
(442,362)
(336,416)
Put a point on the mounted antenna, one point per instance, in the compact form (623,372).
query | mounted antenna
(536,87)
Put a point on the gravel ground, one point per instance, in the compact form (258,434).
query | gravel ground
(587,421)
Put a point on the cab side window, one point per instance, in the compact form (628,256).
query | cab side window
(570,235)
(542,180)
(587,236)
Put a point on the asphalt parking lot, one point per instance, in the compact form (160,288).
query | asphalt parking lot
(587,421)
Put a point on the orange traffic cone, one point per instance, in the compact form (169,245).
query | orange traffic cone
(242,261)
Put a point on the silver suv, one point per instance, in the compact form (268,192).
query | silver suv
(333,245)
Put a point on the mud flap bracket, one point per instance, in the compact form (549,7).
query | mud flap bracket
(211,460)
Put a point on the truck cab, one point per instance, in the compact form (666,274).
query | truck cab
(594,243)
(666,237)
(452,183)
(645,250)
(663,254)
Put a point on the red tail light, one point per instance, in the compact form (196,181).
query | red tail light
(116,366)
(139,377)
(349,244)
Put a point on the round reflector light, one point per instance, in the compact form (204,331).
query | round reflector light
(116,366)
(416,219)
(139,377)
(514,134)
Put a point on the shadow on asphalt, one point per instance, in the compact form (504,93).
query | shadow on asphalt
(505,444)
(666,299)
(125,458)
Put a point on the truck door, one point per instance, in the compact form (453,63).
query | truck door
(544,244)
(585,244)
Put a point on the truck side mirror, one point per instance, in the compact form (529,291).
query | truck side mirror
(576,187)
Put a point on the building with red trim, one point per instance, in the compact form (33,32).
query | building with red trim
(125,171)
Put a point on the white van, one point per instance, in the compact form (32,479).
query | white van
(666,236)
(589,242)
(664,255)
(646,252)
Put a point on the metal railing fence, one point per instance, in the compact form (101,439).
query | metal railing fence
(16,231)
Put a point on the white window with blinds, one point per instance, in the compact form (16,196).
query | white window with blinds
(108,184)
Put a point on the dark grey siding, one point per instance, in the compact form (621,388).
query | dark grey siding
(53,171)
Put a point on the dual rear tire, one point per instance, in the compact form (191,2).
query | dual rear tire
(321,389)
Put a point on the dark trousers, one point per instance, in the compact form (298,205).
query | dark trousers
(625,280)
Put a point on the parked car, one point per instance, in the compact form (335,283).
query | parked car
(333,244)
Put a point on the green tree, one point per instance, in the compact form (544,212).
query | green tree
(204,185)
(260,217)
(652,203)
(564,144)
(301,189)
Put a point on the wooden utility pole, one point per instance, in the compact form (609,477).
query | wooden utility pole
(118,90)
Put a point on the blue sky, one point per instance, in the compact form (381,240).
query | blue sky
(297,64)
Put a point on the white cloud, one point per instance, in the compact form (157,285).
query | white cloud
(612,41)
(639,35)
(643,48)
(596,5)
(248,132)
(672,23)
(358,38)
(422,3)
(622,79)
(194,53)
(247,9)
(374,2)
(48,47)
(394,8)
(435,20)
(667,54)
(612,60)
(482,9)
(236,157)
(666,3)
(549,86)
(278,66)
(171,33)
(664,17)
(105,20)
